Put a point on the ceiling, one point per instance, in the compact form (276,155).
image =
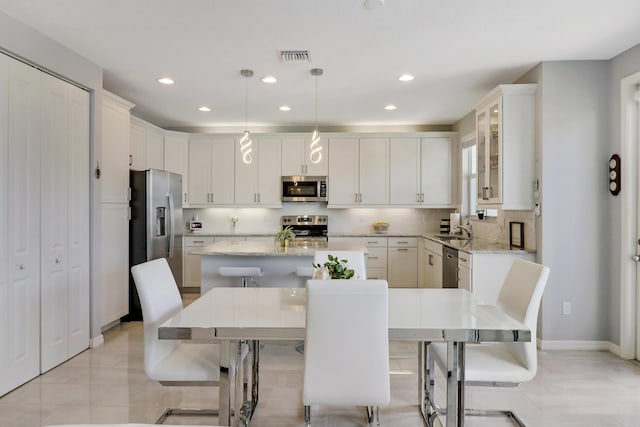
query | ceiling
(457,50)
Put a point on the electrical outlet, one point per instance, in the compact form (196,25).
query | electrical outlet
(566,308)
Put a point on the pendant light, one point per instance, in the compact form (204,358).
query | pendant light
(315,149)
(245,141)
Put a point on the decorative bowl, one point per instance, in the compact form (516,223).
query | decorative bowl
(381,227)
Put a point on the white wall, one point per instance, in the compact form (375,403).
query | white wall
(33,47)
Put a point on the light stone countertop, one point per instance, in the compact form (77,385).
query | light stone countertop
(251,248)
(477,245)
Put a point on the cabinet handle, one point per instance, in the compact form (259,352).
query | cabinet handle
(58,260)
(402,249)
(129,194)
(430,259)
(360,197)
(371,243)
(22,267)
(198,241)
(402,242)
(484,193)
(356,194)
(418,197)
(373,278)
(421,197)
(185,197)
(130,160)
(462,259)
(258,197)
(372,257)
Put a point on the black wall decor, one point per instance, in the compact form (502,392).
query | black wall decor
(614,174)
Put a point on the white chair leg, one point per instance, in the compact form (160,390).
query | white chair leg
(307,415)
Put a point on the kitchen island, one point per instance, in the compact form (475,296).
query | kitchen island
(282,266)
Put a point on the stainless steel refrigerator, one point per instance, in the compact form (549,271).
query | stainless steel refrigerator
(155,228)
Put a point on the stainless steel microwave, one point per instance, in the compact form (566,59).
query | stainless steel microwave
(304,188)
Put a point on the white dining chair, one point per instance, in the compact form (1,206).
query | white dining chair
(355,260)
(502,364)
(174,362)
(347,345)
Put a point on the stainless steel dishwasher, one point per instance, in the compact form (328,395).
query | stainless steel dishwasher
(449,267)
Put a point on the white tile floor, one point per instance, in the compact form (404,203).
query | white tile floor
(108,385)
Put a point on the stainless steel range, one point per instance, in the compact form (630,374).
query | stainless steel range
(311,228)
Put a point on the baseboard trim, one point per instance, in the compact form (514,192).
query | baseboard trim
(96,341)
(574,345)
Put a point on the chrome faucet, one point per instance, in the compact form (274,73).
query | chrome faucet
(467,229)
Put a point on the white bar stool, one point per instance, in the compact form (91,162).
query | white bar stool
(245,273)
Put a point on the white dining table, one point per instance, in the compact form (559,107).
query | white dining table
(231,316)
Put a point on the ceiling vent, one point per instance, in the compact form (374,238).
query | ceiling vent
(295,56)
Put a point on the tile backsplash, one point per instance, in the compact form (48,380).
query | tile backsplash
(497,228)
(357,220)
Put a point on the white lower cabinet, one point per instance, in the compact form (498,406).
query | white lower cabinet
(191,263)
(375,259)
(432,264)
(402,262)
(114,294)
(483,272)
(464,270)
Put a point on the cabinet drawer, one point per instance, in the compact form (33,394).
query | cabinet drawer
(376,273)
(197,241)
(432,246)
(465,259)
(372,242)
(409,242)
(377,257)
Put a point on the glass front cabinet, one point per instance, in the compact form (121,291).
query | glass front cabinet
(505,135)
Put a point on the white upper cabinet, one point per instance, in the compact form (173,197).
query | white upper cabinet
(358,171)
(115,148)
(176,158)
(437,172)
(211,171)
(258,183)
(147,145)
(404,171)
(505,128)
(421,171)
(299,158)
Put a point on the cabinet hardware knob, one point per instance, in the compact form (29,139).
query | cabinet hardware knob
(58,260)
(23,267)
(636,258)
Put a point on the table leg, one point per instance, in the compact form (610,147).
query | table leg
(224,385)
(455,384)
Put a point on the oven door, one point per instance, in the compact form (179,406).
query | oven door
(301,189)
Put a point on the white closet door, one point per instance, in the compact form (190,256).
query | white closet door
(20,170)
(65,227)
(54,262)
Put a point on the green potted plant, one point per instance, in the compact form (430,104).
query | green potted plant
(337,268)
(285,235)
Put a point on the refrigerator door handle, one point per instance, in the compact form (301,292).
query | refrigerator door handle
(171,221)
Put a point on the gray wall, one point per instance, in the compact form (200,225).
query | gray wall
(31,46)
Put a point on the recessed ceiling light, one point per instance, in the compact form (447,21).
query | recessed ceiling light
(390,107)
(405,78)
(204,108)
(269,79)
(285,108)
(166,81)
